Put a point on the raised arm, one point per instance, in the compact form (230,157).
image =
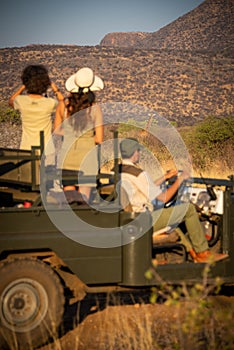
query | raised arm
(59,115)
(57,92)
(169,192)
(18,92)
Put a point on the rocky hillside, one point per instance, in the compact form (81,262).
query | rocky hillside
(128,39)
(208,27)
(183,86)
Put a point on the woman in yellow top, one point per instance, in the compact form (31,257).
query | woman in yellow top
(35,108)
(80,120)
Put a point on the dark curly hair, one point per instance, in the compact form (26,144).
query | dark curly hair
(36,79)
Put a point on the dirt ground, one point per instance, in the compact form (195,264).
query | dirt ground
(133,325)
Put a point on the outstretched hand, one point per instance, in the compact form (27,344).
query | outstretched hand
(184,175)
(171,173)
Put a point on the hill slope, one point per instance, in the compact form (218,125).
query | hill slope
(181,87)
(208,27)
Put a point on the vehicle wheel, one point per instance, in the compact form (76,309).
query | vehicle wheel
(31,303)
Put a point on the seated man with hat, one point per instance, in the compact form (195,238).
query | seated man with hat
(142,190)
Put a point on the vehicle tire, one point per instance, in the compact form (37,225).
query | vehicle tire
(31,303)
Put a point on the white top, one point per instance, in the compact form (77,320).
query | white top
(36,116)
(141,189)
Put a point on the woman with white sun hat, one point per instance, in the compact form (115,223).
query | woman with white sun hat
(80,120)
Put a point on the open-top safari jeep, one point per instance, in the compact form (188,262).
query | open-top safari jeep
(53,252)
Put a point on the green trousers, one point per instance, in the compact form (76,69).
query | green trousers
(186,213)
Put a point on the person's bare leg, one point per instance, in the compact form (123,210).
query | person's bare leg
(69,188)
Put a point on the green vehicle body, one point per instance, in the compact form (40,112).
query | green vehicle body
(30,231)
(28,234)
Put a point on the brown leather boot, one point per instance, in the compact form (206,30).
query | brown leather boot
(193,254)
(207,256)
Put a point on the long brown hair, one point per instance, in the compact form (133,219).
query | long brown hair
(78,108)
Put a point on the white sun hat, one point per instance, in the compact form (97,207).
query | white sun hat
(84,78)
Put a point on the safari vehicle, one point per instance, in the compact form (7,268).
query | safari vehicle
(46,262)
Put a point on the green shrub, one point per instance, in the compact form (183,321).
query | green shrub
(8,114)
(210,142)
(214,130)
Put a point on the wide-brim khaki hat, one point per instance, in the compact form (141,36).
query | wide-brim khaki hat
(86,79)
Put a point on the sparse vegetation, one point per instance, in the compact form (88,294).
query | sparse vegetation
(211,144)
(191,32)
(178,317)
(182,87)
(9,115)
(184,318)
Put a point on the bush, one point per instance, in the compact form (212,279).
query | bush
(8,114)
(211,142)
(214,130)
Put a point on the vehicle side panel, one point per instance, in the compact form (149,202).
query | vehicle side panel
(32,230)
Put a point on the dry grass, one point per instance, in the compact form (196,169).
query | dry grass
(154,327)
(192,320)
(189,319)
(157,159)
